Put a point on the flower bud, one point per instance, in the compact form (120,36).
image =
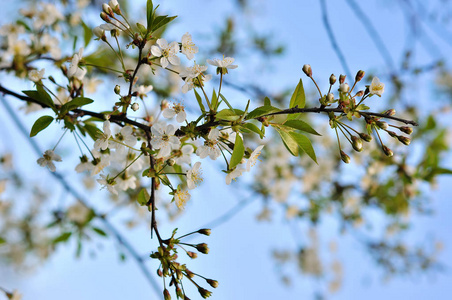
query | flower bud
(114,6)
(330,98)
(192,255)
(357,144)
(392,134)
(189,273)
(387,151)
(166,294)
(159,273)
(345,158)
(202,248)
(135,106)
(404,140)
(213,283)
(105,17)
(359,75)
(332,79)
(382,125)
(204,293)
(390,112)
(359,94)
(406,129)
(107,9)
(117,89)
(365,137)
(307,70)
(204,231)
(164,104)
(342,79)
(344,88)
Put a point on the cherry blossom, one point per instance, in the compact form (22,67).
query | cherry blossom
(167,52)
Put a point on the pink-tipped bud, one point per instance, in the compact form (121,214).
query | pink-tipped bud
(189,273)
(107,9)
(359,75)
(342,79)
(359,94)
(365,137)
(387,151)
(307,70)
(392,134)
(192,255)
(357,144)
(213,283)
(166,294)
(332,79)
(406,129)
(202,248)
(105,17)
(204,231)
(404,140)
(345,158)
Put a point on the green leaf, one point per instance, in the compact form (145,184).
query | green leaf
(298,98)
(62,238)
(76,102)
(305,144)
(225,101)
(260,111)
(142,29)
(143,197)
(42,98)
(267,101)
(99,231)
(87,34)
(254,128)
(92,130)
(161,21)
(214,100)
(237,154)
(289,142)
(229,115)
(199,99)
(2,240)
(149,14)
(40,124)
(301,125)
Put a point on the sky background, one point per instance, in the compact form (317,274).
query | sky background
(240,250)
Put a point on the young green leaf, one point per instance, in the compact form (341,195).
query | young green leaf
(301,125)
(87,33)
(199,99)
(214,100)
(99,231)
(237,154)
(260,111)
(267,101)
(44,101)
(149,14)
(143,197)
(77,102)
(40,124)
(225,101)
(298,98)
(305,144)
(289,142)
(62,238)
(254,128)
(228,114)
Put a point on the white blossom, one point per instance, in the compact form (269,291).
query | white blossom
(194,176)
(108,183)
(102,141)
(181,197)
(47,160)
(254,157)
(164,139)
(376,87)
(177,110)
(238,171)
(167,52)
(35,75)
(184,155)
(189,49)
(210,147)
(74,69)
(225,63)
(78,213)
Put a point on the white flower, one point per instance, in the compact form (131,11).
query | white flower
(184,155)
(177,110)
(376,87)
(84,165)
(46,160)
(194,176)
(99,32)
(188,47)
(222,64)
(36,75)
(124,137)
(164,139)
(254,157)
(100,162)
(16,295)
(142,90)
(234,174)
(167,52)
(74,70)
(189,74)
(126,183)
(210,146)
(109,183)
(78,213)
(102,141)
(181,197)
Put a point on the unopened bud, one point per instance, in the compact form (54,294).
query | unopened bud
(392,134)
(166,294)
(330,98)
(179,274)
(105,17)
(117,89)
(114,6)
(159,273)
(404,140)
(171,162)
(107,9)
(204,231)
(135,106)
(202,248)
(164,104)
(406,129)
(204,293)
(192,255)
(345,158)
(365,137)
(189,273)
(213,283)
(307,70)
(390,112)
(342,79)
(359,75)
(344,88)
(359,94)
(382,125)
(387,151)
(357,144)
(332,79)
